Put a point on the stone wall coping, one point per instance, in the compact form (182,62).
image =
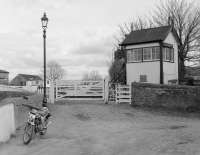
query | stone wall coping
(150,85)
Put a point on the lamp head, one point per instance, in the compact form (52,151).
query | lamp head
(44,21)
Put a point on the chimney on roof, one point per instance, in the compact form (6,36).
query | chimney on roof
(171,21)
(132,27)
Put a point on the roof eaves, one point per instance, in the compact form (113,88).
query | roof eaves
(145,42)
(168,30)
(3,71)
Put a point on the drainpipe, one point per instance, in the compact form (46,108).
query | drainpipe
(161,63)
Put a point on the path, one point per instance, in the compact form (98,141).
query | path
(99,129)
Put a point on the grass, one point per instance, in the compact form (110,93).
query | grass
(9,94)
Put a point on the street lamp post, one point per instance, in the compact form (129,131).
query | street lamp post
(44,21)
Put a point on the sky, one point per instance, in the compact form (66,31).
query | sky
(80,34)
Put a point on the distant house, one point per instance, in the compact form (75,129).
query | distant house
(151,55)
(26,80)
(4,77)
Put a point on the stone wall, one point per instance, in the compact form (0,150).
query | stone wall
(9,94)
(13,115)
(21,111)
(174,97)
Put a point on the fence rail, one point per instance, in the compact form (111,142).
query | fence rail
(123,94)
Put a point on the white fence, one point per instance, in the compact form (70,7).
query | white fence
(18,88)
(9,88)
(123,94)
(40,90)
(7,122)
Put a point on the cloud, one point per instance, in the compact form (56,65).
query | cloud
(93,49)
(79,35)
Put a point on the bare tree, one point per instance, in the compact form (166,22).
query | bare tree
(54,71)
(185,19)
(92,76)
(126,28)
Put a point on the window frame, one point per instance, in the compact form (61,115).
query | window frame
(151,48)
(130,55)
(154,49)
(171,54)
(142,48)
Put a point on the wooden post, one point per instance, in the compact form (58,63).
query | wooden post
(52,93)
(106,90)
(56,84)
(103,89)
(130,94)
(116,93)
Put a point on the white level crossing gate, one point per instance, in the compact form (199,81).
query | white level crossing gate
(96,90)
(79,89)
(123,94)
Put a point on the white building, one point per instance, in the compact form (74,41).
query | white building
(151,55)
